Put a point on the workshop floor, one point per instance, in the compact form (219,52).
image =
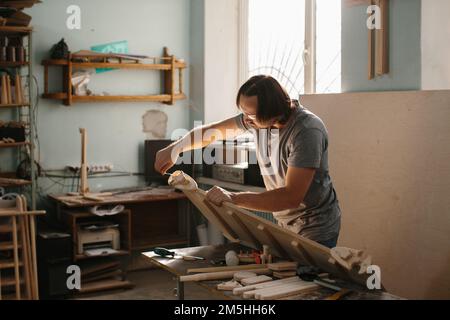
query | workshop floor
(153,284)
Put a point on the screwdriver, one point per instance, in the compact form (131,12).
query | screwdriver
(163,252)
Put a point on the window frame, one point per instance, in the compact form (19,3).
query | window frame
(309,52)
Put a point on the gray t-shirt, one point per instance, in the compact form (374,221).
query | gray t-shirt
(302,143)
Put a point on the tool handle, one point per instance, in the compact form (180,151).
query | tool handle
(163,252)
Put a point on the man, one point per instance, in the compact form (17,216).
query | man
(292,152)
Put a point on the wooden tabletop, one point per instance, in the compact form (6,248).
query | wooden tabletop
(179,267)
(123,198)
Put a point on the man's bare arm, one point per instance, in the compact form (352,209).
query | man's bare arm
(298,181)
(195,139)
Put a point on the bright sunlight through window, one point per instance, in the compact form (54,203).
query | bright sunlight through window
(276,43)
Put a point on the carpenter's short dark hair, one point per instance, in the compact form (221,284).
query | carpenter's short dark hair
(274,102)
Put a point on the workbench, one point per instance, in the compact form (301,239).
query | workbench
(179,267)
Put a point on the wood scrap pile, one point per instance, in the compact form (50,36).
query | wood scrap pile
(100,276)
(11,12)
(255,281)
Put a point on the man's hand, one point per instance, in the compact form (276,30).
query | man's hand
(166,158)
(218,196)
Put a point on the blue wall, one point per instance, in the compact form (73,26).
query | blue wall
(197,65)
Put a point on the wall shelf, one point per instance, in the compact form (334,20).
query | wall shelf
(14,145)
(15,31)
(10,64)
(146,98)
(14,105)
(168,65)
(9,180)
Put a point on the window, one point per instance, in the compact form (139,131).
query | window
(296,41)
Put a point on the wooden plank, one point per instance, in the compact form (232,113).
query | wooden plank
(55,62)
(197,198)
(239,291)
(4,246)
(168,76)
(224,223)
(26,253)
(253,240)
(287,290)
(180,80)
(352,3)
(105,285)
(25,257)
(339,295)
(8,264)
(277,284)
(284,274)
(13,213)
(35,285)
(19,5)
(9,64)
(86,271)
(14,105)
(371,58)
(228,286)
(33,261)
(307,257)
(241,275)
(382,39)
(172,70)
(84,188)
(8,88)
(127,98)
(219,275)
(13,145)
(14,29)
(384,6)
(283,266)
(9,281)
(227,268)
(273,241)
(29,257)
(122,65)
(279,239)
(255,280)
(16,257)
(69,82)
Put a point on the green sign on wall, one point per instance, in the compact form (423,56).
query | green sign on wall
(113,47)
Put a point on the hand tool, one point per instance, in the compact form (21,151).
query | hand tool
(163,252)
(309,273)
